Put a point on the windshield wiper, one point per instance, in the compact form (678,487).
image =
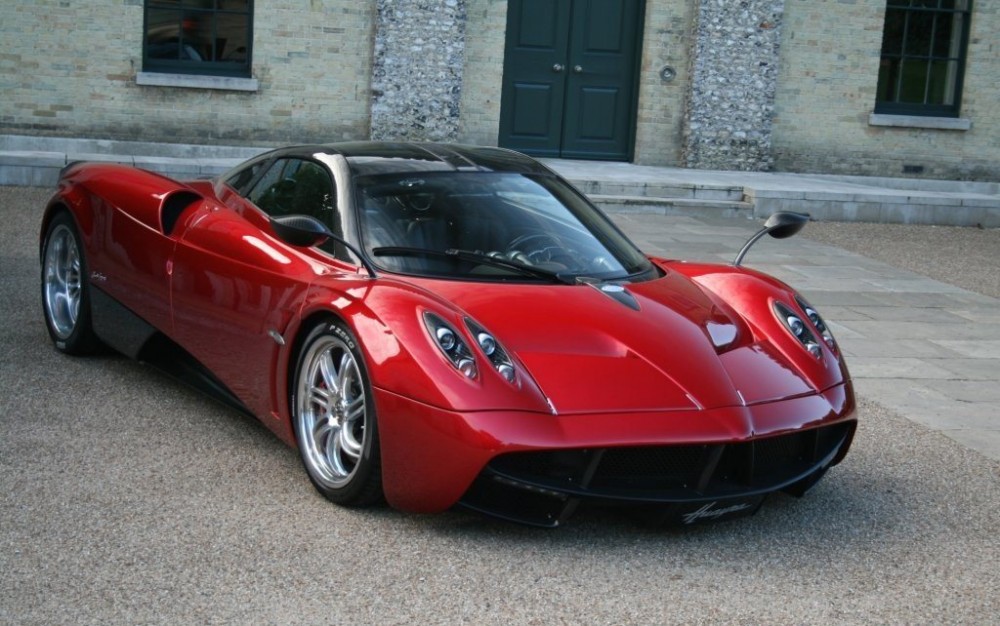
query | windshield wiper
(477,257)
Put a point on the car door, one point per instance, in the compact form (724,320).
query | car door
(235,287)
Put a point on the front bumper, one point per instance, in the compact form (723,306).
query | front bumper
(537,468)
(682,483)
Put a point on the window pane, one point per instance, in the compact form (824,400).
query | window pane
(231,41)
(943,35)
(892,40)
(918,33)
(914,81)
(265,193)
(942,84)
(163,34)
(888,77)
(241,179)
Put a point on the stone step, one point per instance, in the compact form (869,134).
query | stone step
(873,204)
(617,187)
(691,191)
(672,206)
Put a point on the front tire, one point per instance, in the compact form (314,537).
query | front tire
(65,288)
(334,417)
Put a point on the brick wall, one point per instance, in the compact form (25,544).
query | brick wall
(484,45)
(826,92)
(660,119)
(68,67)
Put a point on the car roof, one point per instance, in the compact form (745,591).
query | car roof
(378,157)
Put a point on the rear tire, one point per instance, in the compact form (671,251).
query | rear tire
(66,288)
(334,417)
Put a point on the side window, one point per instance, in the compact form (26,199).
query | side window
(270,194)
(300,187)
(242,178)
(296,186)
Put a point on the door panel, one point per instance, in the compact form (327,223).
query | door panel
(534,86)
(529,99)
(600,95)
(570,76)
(598,109)
(231,285)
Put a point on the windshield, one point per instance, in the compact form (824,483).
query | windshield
(484,225)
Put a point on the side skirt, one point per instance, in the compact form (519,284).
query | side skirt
(124,331)
(117,326)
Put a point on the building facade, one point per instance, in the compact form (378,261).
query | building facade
(876,87)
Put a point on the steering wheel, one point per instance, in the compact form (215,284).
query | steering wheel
(533,248)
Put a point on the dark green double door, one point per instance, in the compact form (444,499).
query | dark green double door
(570,75)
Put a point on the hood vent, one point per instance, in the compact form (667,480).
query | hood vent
(618,293)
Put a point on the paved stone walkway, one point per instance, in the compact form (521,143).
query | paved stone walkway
(926,349)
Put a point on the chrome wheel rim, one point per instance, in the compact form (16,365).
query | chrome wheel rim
(63,282)
(331,411)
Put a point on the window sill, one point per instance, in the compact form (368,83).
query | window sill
(194,81)
(919,121)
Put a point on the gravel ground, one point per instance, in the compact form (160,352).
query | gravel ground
(965,257)
(128,499)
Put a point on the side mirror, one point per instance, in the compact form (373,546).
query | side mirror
(780,225)
(300,230)
(305,231)
(784,224)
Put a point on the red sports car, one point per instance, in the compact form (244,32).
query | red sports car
(450,325)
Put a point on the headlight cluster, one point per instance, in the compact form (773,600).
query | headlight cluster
(454,347)
(493,350)
(818,322)
(798,327)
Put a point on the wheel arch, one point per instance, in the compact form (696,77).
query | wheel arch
(78,210)
(369,490)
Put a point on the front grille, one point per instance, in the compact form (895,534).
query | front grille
(676,472)
(544,487)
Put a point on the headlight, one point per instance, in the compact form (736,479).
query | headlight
(493,351)
(452,345)
(819,324)
(798,328)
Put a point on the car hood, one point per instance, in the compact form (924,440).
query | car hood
(659,345)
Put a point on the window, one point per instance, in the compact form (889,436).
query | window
(923,57)
(209,37)
(295,186)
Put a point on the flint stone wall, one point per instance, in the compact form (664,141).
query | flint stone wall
(734,67)
(417,74)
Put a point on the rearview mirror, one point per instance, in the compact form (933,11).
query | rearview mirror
(780,225)
(306,231)
(784,224)
(300,230)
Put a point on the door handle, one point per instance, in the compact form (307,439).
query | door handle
(578,69)
(558,67)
